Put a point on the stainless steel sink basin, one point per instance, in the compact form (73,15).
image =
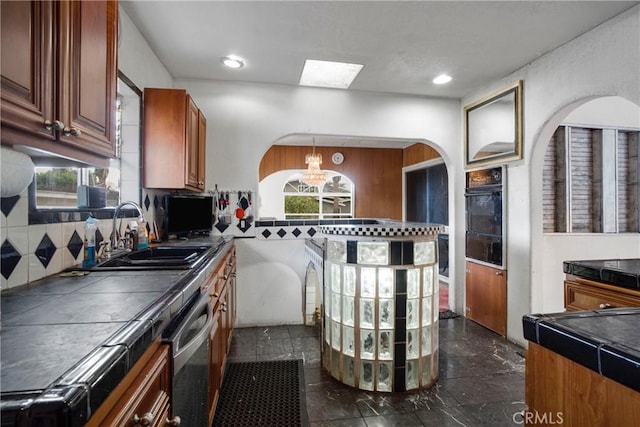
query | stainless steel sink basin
(157,258)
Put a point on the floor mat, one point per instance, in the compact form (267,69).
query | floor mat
(262,394)
(448,314)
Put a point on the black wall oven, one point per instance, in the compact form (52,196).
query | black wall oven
(484,216)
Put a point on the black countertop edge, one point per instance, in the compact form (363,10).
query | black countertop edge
(56,406)
(618,272)
(99,373)
(612,360)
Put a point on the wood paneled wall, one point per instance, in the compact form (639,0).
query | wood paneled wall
(418,153)
(375,172)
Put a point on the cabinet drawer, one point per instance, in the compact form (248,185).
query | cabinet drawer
(142,397)
(591,296)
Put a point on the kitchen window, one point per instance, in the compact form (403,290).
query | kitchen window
(57,187)
(332,200)
(592,181)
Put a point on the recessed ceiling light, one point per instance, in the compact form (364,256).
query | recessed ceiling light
(329,74)
(442,79)
(232,61)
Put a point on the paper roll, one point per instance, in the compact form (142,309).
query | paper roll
(17,172)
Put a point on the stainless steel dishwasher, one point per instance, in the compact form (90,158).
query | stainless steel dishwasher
(188,335)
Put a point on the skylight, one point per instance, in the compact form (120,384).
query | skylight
(337,75)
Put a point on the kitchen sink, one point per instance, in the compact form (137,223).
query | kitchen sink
(156,258)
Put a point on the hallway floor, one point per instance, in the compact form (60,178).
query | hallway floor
(481,379)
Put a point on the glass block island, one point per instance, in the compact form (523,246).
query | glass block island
(380,305)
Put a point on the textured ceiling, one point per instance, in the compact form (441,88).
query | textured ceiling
(403,45)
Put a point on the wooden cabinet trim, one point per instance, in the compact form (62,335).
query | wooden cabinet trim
(583,294)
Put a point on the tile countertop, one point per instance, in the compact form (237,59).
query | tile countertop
(605,341)
(619,272)
(73,338)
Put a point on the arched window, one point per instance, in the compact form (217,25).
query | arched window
(334,199)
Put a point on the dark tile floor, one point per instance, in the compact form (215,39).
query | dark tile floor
(481,379)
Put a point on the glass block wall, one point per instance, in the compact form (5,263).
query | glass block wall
(380,329)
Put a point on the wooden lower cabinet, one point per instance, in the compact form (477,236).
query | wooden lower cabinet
(222,293)
(583,294)
(559,391)
(142,397)
(486,296)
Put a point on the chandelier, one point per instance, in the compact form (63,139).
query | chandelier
(313,176)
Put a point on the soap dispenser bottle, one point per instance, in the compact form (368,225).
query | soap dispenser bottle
(143,235)
(90,227)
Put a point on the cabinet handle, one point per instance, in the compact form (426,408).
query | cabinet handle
(605,305)
(146,419)
(72,131)
(56,124)
(200,183)
(215,294)
(173,422)
(499,273)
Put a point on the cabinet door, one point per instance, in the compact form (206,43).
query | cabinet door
(202,148)
(27,70)
(192,142)
(87,74)
(216,360)
(486,296)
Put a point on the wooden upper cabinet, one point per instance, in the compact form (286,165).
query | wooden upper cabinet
(59,75)
(174,145)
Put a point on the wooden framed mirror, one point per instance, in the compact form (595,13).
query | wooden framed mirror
(493,128)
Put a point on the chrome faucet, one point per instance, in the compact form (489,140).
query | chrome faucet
(114,234)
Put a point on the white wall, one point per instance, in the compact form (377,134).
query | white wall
(136,59)
(270,282)
(608,111)
(602,62)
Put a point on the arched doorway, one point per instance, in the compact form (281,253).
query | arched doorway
(571,146)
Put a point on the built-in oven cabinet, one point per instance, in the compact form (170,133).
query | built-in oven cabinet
(486,296)
(142,397)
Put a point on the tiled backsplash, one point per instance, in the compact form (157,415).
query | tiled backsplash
(33,251)
(35,245)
